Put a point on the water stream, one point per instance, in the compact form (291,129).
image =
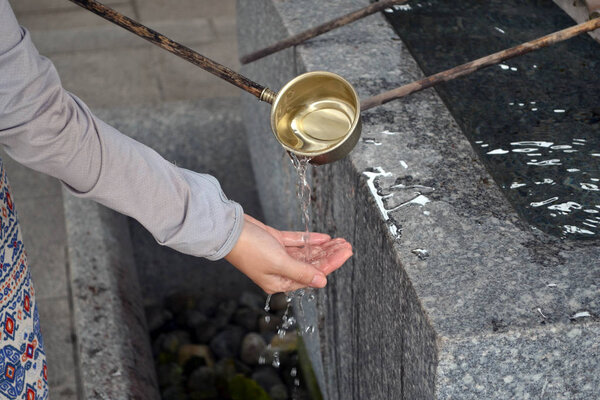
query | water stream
(289,322)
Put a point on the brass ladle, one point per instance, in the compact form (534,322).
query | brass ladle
(316,114)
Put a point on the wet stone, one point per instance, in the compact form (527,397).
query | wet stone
(187,351)
(156,317)
(246,318)
(174,393)
(171,341)
(253,346)
(267,377)
(278,392)
(191,318)
(204,332)
(268,323)
(224,312)
(202,380)
(178,303)
(252,300)
(226,343)
(169,374)
(278,302)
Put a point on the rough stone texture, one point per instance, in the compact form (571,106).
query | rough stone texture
(114,352)
(488,313)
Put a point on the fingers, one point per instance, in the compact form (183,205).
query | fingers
(289,238)
(335,256)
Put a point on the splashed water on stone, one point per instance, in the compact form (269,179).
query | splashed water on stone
(419,199)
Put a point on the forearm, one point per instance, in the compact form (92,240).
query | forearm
(47,129)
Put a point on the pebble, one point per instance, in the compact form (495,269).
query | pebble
(202,380)
(247,318)
(174,393)
(267,377)
(206,331)
(224,312)
(252,300)
(279,302)
(156,317)
(278,392)
(226,343)
(178,303)
(268,323)
(188,351)
(169,374)
(171,341)
(253,346)
(191,318)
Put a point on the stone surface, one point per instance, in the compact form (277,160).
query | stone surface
(491,285)
(252,347)
(110,37)
(114,356)
(58,342)
(131,72)
(71,17)
(151,10)
(226,344)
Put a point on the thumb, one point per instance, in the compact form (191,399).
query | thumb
(304,273)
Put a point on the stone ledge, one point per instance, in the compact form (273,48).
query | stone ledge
(115,360)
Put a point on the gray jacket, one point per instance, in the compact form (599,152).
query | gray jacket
(50,130)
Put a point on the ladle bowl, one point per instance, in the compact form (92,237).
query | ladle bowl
(317,115)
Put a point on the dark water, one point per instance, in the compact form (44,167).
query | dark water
(534,120)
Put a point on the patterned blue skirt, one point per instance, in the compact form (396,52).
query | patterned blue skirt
(23,370)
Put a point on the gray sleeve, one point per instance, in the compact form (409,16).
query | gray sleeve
(49,130)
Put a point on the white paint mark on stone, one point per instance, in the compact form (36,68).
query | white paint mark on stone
(390,133)
(552,285)
(504,67)
(404,164)
(517,185)
(499,30)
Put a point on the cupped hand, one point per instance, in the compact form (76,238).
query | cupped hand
(273,259)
